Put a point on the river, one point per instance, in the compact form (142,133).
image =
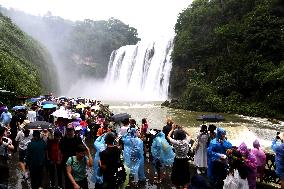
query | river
(239,128)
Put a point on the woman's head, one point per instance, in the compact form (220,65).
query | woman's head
(109,138)
(144,121)
(81,151)
(169,121)
(179,134)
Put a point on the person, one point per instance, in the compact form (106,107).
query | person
(200,156)
(54,157)
(217,159)
(251,164)
(35,159)
(278,147)
(124,128)
(76,167)
(68,145)
(23,137)
(5,146)
(109,162)
(5,118)
(212,133)
(31,115)
(199,182)
(168,127)
(133,154)
(144,126)
(103,129)
(180,171)
(260,159)
(162,154)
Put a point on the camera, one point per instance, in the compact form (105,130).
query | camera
(5,140)
(277,135)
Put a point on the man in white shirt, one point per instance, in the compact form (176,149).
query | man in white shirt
(23,138)
(31,115)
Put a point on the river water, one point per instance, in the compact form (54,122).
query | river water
(239,129)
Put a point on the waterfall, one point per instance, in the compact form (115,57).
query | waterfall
(140,72)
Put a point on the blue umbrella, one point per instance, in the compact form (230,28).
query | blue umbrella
(48,102)
(49,106)
(19,108)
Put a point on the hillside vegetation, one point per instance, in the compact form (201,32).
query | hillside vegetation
(25,64)
(228,57)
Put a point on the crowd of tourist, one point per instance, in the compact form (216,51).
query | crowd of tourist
(121,148)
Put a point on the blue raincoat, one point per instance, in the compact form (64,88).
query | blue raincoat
(100,146)
(215,150)
(278,148)
(162,151)
(133,154)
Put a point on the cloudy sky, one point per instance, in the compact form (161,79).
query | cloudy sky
(152,18)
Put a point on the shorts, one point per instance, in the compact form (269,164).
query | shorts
(22,155)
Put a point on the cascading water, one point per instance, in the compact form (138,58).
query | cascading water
(141,72)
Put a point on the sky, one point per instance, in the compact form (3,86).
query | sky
(152,18)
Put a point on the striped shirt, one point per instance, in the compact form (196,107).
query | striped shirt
(181,147)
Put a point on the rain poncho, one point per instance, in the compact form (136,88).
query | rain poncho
(278,148)
(250,162)
(215,150)
(162,151)
(260,158)
(100,146)
(133,154)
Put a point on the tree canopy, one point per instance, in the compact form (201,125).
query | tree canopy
(228,57)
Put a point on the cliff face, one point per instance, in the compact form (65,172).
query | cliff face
(26,66)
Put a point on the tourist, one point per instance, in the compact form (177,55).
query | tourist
(5,118)
(217,166)
(35,159)
(200,156)
(260,159)
(124,128)
(103,129)
(162,154)
(54,157)
(76,167)
(144,127)
(278,148)
(251,165)
(110,163)
(212,133)
(133,154)
(31,115)
(23,138)
(68,145)
(5,146)
(168,127)
(180,171)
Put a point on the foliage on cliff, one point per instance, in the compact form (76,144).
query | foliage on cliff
(84,46)
(23,62)
(229,57)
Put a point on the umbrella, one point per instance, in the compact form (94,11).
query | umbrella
(120,117)
(39,125)
(61,113)
(210,118)
(48,102)
(49,106)
(19,108)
